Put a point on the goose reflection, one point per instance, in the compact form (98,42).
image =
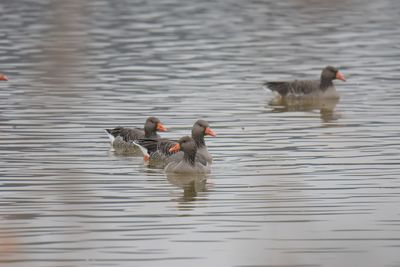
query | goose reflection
(190,183)
(326,106)
(125,152)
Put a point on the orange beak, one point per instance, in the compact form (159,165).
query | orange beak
(175,148)
(340,76)
(208,131)
(3,78)
(161,127)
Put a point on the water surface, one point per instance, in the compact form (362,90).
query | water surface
(303,185)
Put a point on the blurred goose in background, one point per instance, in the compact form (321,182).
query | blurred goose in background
(3,77)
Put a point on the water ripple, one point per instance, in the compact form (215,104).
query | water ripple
(311,184)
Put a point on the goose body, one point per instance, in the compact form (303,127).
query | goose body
(323,88)
(186,162)
(157,151)
(122,138)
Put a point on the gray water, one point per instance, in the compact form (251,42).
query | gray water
(290,186)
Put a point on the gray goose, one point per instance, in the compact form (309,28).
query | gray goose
(200,129)
(121,137)
(157,150)
(315,88)
(186,162)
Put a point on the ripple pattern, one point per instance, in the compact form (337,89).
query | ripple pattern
(289,187)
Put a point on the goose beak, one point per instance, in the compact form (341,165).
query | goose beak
(175,148)
(340,76)
(3,78)
(208,131)
(161,127)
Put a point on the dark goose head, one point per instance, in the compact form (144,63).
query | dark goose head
(188,146)
(151,127)
(329,74)
(199,130)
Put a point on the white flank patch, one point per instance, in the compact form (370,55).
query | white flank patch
(112,138)
(143,149)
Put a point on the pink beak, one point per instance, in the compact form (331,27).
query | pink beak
(208,131)
(175,148)
(340,76)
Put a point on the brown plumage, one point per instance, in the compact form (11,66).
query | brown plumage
(157,149)
(122,137)
(188,162)
(309,87)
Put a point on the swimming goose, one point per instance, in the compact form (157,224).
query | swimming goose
(188,162)
(121,137)
(200,129)
(157,150)
(315,88)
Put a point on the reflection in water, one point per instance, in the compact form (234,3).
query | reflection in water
(8,244)
(190,183)
(326,106)
(132,151)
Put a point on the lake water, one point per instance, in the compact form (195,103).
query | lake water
(290,186)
